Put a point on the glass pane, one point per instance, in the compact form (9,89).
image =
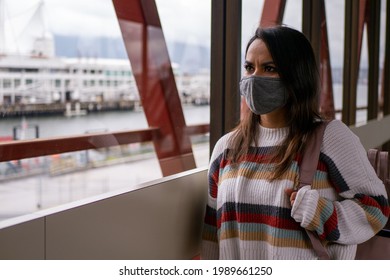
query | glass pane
(335,12)
(64,71)
(34,184)
(56,67)
(251,15)
(293,14)
(187,30)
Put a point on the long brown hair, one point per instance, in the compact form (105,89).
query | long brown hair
(297,68)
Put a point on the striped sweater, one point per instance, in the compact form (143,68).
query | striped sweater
(250,217)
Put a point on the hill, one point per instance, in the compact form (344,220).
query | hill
(191,58)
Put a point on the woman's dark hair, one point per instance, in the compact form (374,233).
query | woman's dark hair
(293,56)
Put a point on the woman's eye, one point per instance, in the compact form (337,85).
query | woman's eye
(269,68)
(248,68)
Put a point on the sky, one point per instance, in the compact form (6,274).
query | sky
(182,20)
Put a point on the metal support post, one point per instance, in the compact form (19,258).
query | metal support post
(351,62)
(225,67)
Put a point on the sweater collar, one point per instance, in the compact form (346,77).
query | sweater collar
(272,136)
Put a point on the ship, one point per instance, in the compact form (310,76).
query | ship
(35,81)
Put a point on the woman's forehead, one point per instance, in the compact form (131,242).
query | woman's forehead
(258,50)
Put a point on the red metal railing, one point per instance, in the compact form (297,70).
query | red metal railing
(15,150)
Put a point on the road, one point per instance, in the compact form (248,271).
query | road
(23,196)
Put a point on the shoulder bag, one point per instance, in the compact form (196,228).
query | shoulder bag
(377,247)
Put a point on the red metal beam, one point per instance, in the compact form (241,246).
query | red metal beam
(15,150)
(272,15)
(148,54)
(363,17)
(369,13)
(326,97)
(197,129)
(273,11)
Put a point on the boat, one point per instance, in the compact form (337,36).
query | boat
(36,82)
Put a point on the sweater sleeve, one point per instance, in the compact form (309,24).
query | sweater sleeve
(362,209)
(209,247)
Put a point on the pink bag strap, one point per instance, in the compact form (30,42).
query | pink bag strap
(307,170)
(380,161)
(311,156)
(373,158)
(384,167)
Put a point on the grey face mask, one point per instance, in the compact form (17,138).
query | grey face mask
(263,94)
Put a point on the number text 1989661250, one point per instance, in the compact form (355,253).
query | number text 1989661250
(242,270)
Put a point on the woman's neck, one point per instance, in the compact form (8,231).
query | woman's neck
(275,119)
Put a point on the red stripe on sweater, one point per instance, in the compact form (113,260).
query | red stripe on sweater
(330,226)
(284,223)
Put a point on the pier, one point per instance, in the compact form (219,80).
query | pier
(68,109)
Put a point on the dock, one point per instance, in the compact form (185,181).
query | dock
(67,109)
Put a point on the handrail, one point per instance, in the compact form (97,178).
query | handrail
(368,133)
(197,129)
(15,150)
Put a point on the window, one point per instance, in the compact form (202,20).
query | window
(17,83)
(87,106)
(7,83)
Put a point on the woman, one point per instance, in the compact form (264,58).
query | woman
(253,211)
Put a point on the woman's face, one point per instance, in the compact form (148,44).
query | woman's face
(258,61)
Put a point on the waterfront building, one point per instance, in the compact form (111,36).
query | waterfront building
(38,82)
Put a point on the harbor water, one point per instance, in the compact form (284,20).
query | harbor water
(95,122)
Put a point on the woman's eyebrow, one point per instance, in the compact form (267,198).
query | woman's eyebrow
(268,63)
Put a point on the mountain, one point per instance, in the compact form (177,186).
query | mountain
(104,47)
(190,57)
